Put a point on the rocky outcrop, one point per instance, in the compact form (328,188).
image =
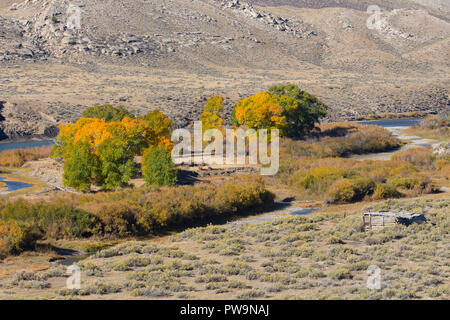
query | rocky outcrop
(16,43)
(51,34)
(18,122)
(294,27)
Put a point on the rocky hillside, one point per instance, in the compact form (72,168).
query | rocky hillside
(172,54)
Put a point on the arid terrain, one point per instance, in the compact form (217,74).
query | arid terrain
(172,55)
(323,256)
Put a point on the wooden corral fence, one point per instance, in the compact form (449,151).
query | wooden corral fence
(377,220)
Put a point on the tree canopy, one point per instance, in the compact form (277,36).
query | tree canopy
(260,111)
(300,119)
(103,153)
(158,167)
(107,112)
(161,125)
(286,107)
(211,118)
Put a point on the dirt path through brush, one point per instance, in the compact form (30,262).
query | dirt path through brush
(413,142)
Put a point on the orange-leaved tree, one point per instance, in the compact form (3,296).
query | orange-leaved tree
(103,153)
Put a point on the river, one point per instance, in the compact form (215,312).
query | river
(25,144)
(17,185)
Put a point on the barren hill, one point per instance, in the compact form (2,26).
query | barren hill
(172,54)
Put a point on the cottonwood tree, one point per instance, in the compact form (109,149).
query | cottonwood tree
(103,153)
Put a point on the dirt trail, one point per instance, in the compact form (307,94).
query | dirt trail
(413,142)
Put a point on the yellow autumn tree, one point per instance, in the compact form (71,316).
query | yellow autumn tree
(260,111)
(101,152)
(159,128)
(211,115)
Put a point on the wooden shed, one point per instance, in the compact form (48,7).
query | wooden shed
(377,220)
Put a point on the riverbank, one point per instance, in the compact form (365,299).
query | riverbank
(22,184)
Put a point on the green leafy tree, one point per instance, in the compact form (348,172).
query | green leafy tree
(117,164)
(103,153)
(300,119)
(158,167)
(81,167)
(117,154)
(107,112)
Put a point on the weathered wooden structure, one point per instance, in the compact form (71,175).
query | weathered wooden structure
(380,219)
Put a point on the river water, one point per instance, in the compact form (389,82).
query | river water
(25,144)
(17,185)
(404,123)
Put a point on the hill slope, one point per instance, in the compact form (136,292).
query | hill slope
(173,54)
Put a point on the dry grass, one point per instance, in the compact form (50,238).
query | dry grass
(433,126)
(322,256)
(17,157)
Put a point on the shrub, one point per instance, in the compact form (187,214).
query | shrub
(96,287)
(359,139)
(134,212)
(418,182)
(341,191)
(158,167)
(385,191)
(346,190)
(340,274)
(319,179)
(434,126)
(334,240)
(50,220)
(117,217)
(251,294)
(364,187)
(420,157)
(14,238)
(445,171)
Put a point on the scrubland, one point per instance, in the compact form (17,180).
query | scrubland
(322,256)
(316,168)
(144,211)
